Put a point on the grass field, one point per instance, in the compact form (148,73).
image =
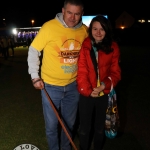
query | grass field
(21,117)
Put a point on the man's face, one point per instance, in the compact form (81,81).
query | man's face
(72,14)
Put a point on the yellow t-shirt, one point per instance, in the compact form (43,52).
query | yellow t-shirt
(61,48)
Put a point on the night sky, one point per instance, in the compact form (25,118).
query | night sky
(20,14)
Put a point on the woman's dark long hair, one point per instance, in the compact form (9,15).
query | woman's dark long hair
(105,45)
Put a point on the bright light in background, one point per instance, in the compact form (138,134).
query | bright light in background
(142,21)
(32,21)
(14,31)
(122,27)
(87,19)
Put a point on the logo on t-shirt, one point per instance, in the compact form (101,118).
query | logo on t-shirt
(26,147)
(70,49)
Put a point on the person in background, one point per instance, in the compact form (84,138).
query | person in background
(1,46)
(98,60)
(29,41)
(11,45)
(60,40)
(5,52)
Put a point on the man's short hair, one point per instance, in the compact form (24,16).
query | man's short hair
(73,2)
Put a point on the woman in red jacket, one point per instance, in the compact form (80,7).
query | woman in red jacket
(97,63)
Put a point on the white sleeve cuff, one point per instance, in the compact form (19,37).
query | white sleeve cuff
(34,75)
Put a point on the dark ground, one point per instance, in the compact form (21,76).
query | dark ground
(21,118)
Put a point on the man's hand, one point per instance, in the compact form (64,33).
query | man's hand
(38,83)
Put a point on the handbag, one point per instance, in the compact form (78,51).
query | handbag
(112,117)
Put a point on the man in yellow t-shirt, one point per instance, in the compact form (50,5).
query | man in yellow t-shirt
(60,40)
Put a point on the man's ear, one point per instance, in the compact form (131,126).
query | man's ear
(82,13)
(63,10)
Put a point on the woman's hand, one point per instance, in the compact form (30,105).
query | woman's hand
(97,90)
(94,94)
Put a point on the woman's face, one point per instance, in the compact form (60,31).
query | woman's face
(98,32)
